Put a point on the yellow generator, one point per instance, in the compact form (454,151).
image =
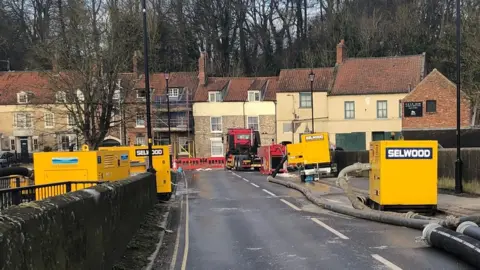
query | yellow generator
(55,167)
(312,156)
(403,175)
(161,163)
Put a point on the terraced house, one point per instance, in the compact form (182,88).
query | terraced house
(222,103)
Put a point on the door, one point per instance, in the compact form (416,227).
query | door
(355,141)
(24,149)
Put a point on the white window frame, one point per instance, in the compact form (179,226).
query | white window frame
(35,139)
(22,95)
(253,95)
(12,143)
(221,124)
(349,109)
(80,95)
(306,95)
(28,123)
(140,138)
(137,118)
(382,113)
(287,127)
(61,97)
(173,92)
(46,122)
(257,122)
(116,95)
(219,142)
(215,96)
(70,120)
(139,96)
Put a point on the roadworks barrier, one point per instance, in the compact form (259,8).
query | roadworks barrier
(85,229)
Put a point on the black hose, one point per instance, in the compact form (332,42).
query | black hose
(15,171)
(462,246)
(469,228)
(279,166)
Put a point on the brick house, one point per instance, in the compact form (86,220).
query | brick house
(430,111)
(222,103)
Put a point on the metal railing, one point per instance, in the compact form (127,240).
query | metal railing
(14,181)
(22,194)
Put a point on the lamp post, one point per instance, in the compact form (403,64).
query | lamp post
(311,76)
(147,89)
(167,76)
(458,162)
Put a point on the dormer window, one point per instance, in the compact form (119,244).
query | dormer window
(61,97)
(215,96)
(141,94)
(253,95)
(80,95)
(173,92)
(22,98)
(116,95)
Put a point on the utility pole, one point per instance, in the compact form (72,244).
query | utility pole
(311,76)
(147,90)
(458,162)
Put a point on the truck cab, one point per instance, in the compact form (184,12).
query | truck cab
(242,145)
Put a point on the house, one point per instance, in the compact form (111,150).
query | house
(364,103)
(294,102)
(238,102)
(177,103)
(430,112)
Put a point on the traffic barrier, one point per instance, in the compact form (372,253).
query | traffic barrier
(200,163)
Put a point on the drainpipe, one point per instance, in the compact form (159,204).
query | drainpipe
(276,124)
(244,117)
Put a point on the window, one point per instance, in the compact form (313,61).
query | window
(253,95)
(116,95)
(215,96)
(61,97)
(287,127)
(70,120)
(349,109)
(35,144)
(22,120)
(140,121)
(141,93)
(48,117)
(12,144)
(140,139)
(173,92)
(64,142)
(252,122)
(216,147)
(80,95)
(22,98)
(305,100)
(431,106)
(382,109)
(216,124)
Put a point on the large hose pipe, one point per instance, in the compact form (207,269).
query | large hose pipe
(462,246)
(368,215)
(279,166)
(469,228)
(15,171)
(342,181)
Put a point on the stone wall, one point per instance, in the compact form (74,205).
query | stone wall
(203,132)
(86,229)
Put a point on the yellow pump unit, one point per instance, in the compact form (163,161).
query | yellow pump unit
(85,165)
(403,175)
(161,164)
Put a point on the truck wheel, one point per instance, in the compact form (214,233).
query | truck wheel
(302,178)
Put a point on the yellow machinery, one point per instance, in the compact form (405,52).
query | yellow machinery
(54,167)
(403,175)
(161,163)
(312,155)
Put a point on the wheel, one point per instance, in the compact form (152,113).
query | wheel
(302,178)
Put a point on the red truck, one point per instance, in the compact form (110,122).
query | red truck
(242,146)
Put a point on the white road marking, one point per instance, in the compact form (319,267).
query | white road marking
(386,262)
(245,179)
(337,233)
(290,204)
(268,192)
(185,252)
(177,243)
(255,185)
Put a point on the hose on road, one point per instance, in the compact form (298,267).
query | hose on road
(369,215)
(469,228)
(462,246)
(15,171)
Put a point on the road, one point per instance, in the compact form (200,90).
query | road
(238,220)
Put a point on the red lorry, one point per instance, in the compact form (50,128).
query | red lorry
(242,146)
(271,156)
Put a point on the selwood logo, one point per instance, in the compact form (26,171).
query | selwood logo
(314,138)
(144,152)
(409,153)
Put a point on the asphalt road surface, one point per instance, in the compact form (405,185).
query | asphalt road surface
(237,220)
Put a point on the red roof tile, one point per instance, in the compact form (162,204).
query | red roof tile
(12,83)
(238,89)
(271,91)
(297,80)
(380,75)
(176,79)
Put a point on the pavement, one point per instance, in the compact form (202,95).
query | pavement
(238,220)
(447,203)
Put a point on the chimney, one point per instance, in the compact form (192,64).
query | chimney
(202,68)
(135,62)
(55,63)
(341,52)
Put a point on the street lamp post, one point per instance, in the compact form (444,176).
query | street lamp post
(311,76)
(147,89)
(458,162)
(167,76)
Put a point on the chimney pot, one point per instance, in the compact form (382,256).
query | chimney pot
(341,52)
